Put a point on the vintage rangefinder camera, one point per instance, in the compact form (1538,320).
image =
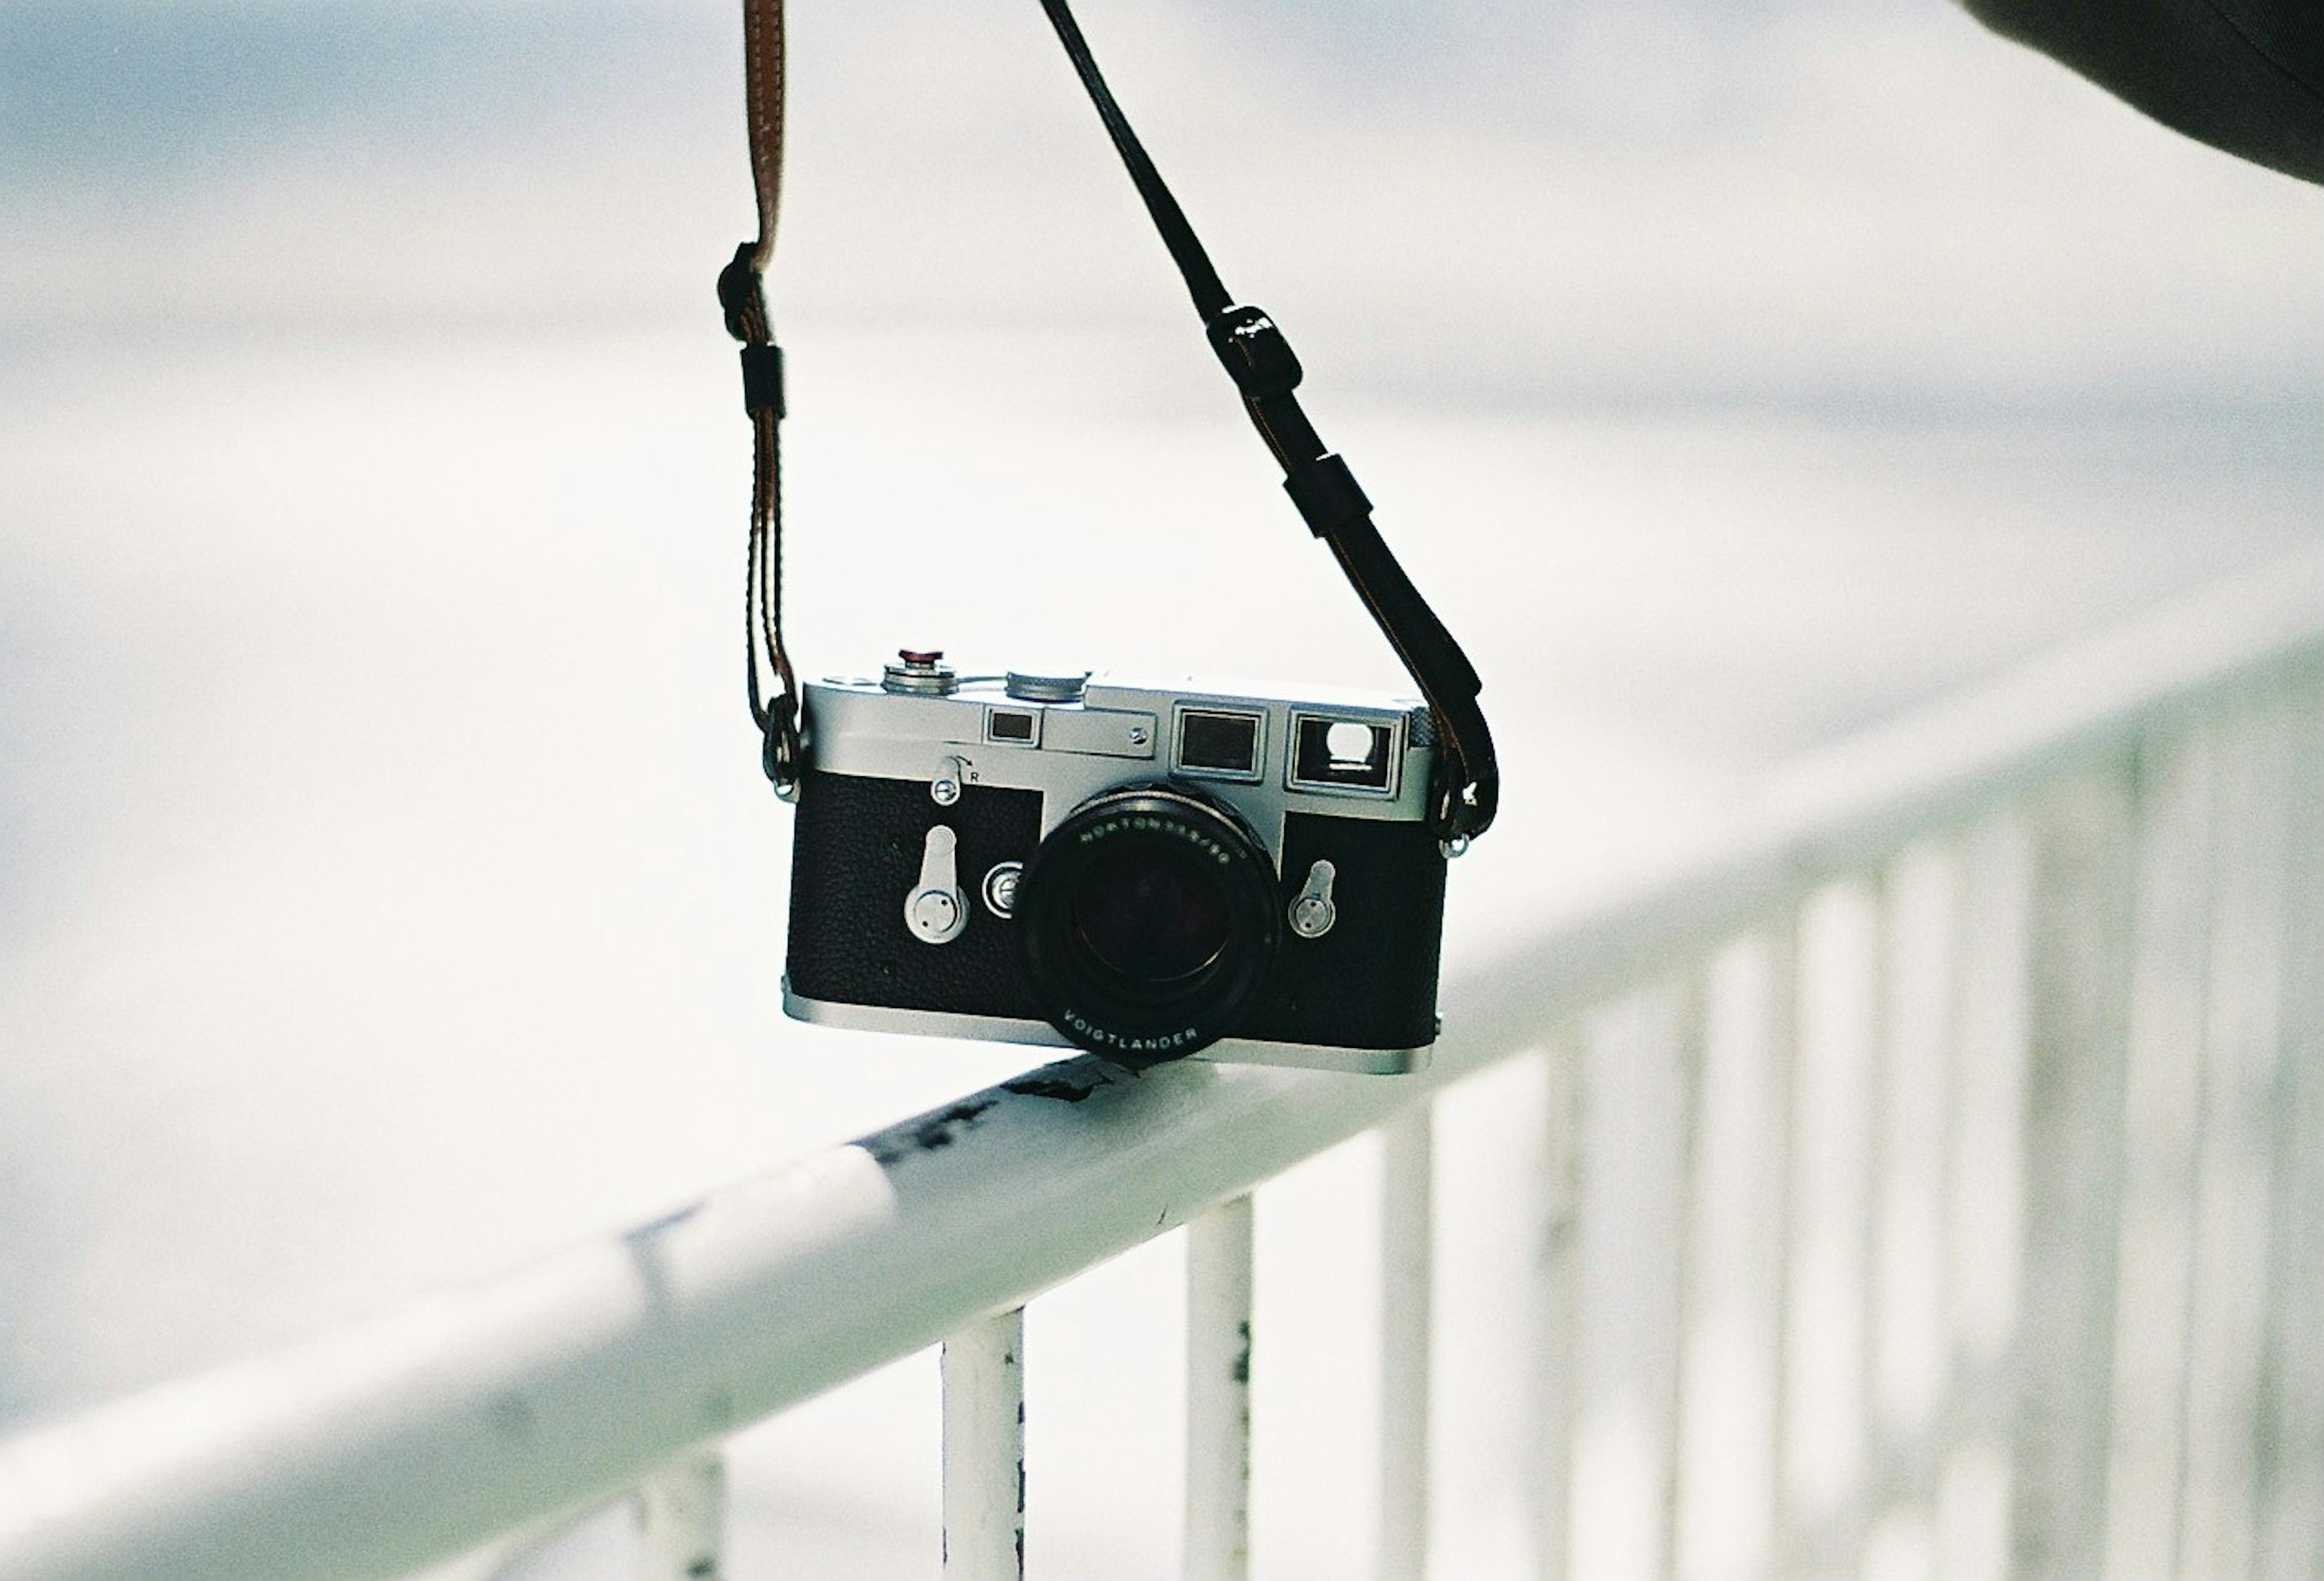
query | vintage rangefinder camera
(1145,872)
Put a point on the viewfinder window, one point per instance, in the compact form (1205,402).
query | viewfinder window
(1343,752)
(1225,744)
(1005,724)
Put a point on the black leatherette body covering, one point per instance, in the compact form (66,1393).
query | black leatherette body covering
(855,855)
(1370,983)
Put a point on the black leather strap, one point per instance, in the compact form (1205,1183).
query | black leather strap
(741,297)
(1258,359)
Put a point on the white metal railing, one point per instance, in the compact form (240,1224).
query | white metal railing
(1986,1212)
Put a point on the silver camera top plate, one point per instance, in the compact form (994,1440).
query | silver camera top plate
(1339,753)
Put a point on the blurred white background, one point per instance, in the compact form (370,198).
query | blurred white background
(387,887)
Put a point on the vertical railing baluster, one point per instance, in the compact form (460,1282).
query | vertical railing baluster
(1871,1493)
(2211,1217)
(2288,1491)
(1781,1035)
(1912,1110)
(1727,1377)
(1832,1187)
(1558,1310)
(1985,1207)
(2161,1105)
(2233,1169)
(682,1518)
(984,1450)
(1956,1405)
(1692,1031)
(2078,988)
(1407,1261)
(1218,1394)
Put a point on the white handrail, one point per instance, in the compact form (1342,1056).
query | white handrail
(397,1442)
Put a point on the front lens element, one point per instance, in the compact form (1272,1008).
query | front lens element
(1150,915)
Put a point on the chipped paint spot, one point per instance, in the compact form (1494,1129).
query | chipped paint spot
(928,1134)
(1242,1355)
(511,1415)
(1070,1084)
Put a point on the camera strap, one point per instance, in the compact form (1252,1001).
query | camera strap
(1256,355)
(741,297)
(1467,791)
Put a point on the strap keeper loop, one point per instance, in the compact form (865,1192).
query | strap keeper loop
(1256,355)
(741,298)
(762,380)
(1327,494)
(779,753)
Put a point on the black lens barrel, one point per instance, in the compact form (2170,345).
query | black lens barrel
(1147,920)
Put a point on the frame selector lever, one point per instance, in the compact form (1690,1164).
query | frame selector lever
(1312,913)
(936,909)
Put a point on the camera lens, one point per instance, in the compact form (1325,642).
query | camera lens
(1150,917)
(1147,920)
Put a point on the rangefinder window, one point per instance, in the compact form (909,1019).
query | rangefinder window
(1343,754)
(1009,724)
(1224,745)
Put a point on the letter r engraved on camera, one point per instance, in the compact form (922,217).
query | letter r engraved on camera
(1167,869)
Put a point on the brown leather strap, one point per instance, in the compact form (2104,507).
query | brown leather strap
(762,90)
(742,295)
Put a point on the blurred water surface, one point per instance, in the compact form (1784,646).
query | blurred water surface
(386,886)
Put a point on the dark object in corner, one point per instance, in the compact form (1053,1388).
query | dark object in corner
(2247,76)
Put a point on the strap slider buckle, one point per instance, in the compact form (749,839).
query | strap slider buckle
(1256,355)
(762,380)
